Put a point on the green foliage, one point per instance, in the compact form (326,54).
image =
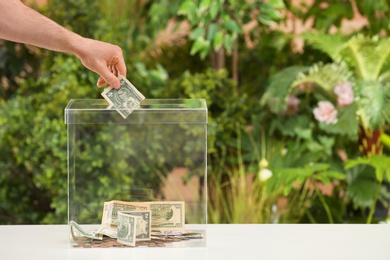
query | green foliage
(33,140)
(330,14)
(299,185)
(16,61)
(217,24)
(365,193)
(79,16)
(285,178)
(236,195)
(36,86)
(359,60)
(371,10)
(280,87)
(380,163)
(226,107)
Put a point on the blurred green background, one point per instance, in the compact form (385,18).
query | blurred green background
(262,67)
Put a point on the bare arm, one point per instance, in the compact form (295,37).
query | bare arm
(20,23)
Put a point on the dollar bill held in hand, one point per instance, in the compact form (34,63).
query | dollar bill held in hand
(143,229)
(168,215)
(127,226)
(125,99)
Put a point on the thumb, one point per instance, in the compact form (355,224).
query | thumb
(110,78)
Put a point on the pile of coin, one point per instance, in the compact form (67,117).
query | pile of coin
(112,242)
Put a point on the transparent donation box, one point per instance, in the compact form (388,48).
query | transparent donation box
(156,158)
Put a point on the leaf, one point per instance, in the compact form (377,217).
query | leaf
(200,46)
(326,76)
(317,167)
(381,164)
(323,179)
(228,42)
(347,124)
(186,7)
(204,5)
(355,162)
(304,133)
(190,10)
(197,33)
(280,86)
(162,72)
(231,26)
(369,55)
(212,31)
(374,103)
(218,40)
(277,3)
(332,45)
(362,192)
(141,68)
(385,138)
(334,175)
(214,9)
(268,14)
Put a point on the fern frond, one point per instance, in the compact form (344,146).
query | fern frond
(368,55)
(332,45)
(374,103)
(385,77)
(325,76)
(280,87)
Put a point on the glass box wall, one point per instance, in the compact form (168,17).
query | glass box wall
(156,154)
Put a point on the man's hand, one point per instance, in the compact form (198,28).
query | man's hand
(103,58)
(19,23)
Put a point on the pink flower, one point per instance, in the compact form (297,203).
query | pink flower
(325,112)
(344,93)
(292,105)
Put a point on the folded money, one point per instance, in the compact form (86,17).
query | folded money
(125,99)
(78,233)
(127,226)
(111,209)
(143,229)
(165,215)
(129,222)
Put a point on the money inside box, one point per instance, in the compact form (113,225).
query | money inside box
(139,180)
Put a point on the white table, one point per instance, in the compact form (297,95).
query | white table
(241,242)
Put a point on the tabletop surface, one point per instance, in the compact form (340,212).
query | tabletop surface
(242,241)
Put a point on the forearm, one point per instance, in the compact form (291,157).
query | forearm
(20,23)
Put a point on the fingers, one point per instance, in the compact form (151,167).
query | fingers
(121,67)
(114,71)
(108,77)
(109,73)
(101,82)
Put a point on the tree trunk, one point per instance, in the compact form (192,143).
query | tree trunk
(370,141)
(218,59)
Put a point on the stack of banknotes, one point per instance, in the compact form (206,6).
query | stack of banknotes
(129,222)
(125,99)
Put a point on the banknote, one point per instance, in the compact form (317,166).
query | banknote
(111,209)
(167,215)
(125,99)
(107,231)
(78,232)
(127,226)
(143,230)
